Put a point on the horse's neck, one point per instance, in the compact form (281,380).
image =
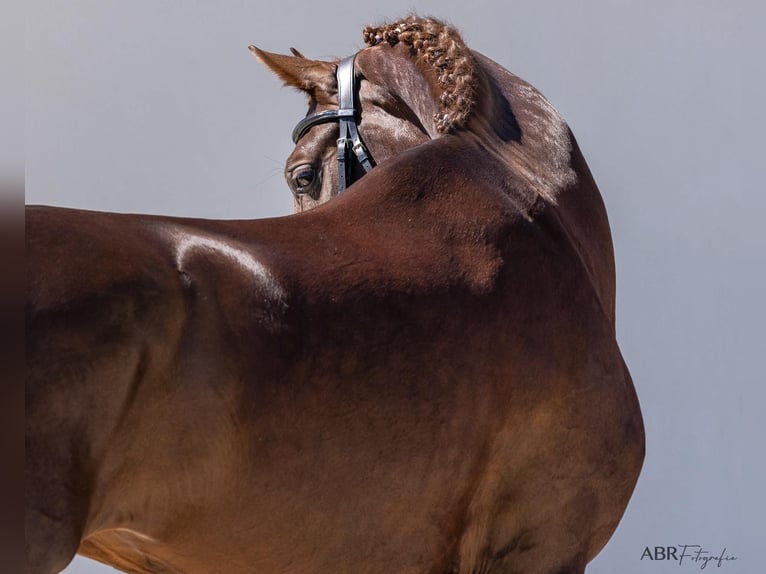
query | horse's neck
(529,133)
(545,162)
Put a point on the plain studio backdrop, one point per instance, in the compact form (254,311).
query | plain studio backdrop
(158,107)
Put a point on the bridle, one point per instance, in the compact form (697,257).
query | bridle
(345,115)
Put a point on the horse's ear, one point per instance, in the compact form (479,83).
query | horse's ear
(315,77)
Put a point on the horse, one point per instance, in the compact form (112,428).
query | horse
(420,375)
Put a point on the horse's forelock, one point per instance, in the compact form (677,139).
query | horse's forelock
(439,47)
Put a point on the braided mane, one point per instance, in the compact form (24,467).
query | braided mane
(437,46)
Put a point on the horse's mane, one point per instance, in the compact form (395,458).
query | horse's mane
(477,94)
(437,46)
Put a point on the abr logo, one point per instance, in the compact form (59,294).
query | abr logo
(660,553)
(691,554)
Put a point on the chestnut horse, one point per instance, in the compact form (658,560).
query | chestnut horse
(420,375)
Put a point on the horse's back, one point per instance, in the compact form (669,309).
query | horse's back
(74,254)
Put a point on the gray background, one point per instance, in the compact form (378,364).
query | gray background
(158,107)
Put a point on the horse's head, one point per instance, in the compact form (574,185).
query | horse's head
(416,81)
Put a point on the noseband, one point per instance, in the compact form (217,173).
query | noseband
(345,115)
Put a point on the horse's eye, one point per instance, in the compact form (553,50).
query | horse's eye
(303,178)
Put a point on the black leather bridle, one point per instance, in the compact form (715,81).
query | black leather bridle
(345,115)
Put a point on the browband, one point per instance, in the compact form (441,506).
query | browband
(321,118)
